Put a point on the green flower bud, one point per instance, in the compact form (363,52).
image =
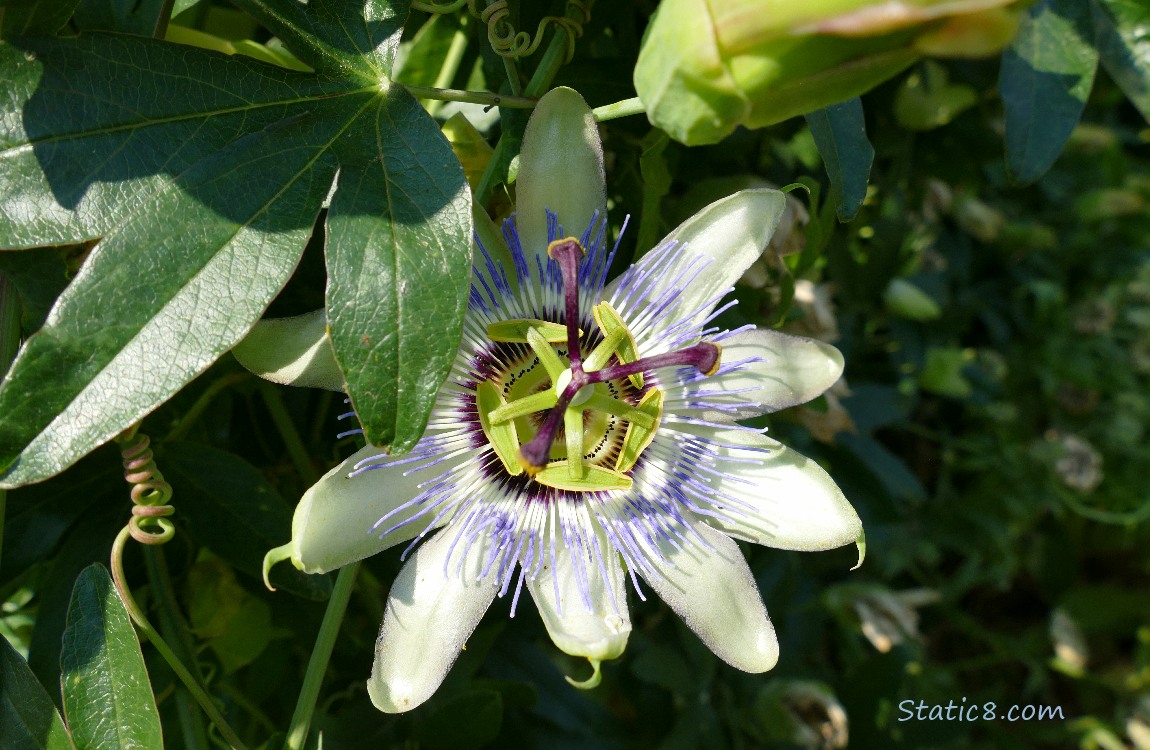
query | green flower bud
(906,300)
(707,67)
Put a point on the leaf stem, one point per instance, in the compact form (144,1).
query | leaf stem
(619,109)
(317,664)
(474,97)
(137,615)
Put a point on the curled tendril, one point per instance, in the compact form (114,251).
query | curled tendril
(501,34)
(150,493)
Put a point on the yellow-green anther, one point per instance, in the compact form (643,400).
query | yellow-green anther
(502,437)
(591,682)
(515,331)
(595,478)
(609,322)
(639,437)
(523,406)
(573,429)
(621,409)
(598,358)
(547,356)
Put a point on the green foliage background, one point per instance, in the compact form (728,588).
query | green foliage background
(992,436)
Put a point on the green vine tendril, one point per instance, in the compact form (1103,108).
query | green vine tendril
(501,34)
(150,526)
(150,493)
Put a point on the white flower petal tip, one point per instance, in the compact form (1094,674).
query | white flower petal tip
(591,682)
(715,594)
(771,371)
(713,249)
(273,556)
(334,521)
(560,169)
(597,626)
(861,544)
(777,497)
(434,606)
(292,351)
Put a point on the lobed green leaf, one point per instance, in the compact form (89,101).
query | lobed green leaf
(203,175)
(353,39)
(400,213)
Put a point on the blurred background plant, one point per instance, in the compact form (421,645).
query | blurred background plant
(991,426)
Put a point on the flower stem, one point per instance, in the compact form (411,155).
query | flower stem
(317,664)
(474,97)
(618,109)
(137,615)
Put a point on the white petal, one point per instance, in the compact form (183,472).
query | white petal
(560,168)
(778,498)
(432,609)
(599,632)
(780,371)
(715,594)
(333,522)
(728,235)
(292,351)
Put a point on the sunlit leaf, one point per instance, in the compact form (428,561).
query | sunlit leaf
(107,696)
(394,230)
(203,174)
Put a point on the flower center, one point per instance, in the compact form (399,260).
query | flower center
(598,403)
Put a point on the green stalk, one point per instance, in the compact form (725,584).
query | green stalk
(172,626)
(202,403)
(540,82)
(317,664)
(192,683)
(341,593)
(511,68)
(474,97)
(9,345)
(451,62)
(619,109)
(299,457)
